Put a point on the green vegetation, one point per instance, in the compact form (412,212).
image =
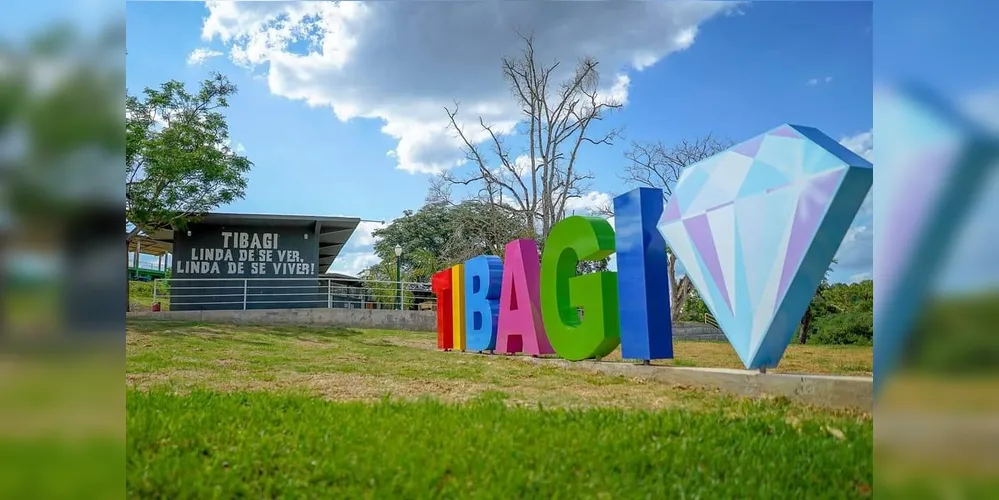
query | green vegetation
(179,162)
(849,328)
(140,294)
(957,336)
(243,411)
(233,445)
(840,313)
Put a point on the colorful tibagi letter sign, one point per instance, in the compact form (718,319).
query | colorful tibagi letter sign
(440,284)
(483,276)
(458,305)
(755,228)
(521,328)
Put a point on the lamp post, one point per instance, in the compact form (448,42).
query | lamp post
(398,274)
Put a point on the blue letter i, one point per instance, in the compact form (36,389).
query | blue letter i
(642,283)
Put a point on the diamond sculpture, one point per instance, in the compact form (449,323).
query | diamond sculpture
(756,226)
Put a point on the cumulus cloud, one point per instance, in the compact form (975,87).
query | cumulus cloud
(364,234)
(856,252)
(403,62)
(200,55)
(857,249)
(862,144)
(359,252)
(353,263)
(591,202)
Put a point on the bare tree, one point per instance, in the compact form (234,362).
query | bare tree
(480,228)
(559,118)
(657,165)
(439,192)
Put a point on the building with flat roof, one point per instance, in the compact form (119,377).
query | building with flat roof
(247,261)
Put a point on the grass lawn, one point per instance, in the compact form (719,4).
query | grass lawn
(224,411)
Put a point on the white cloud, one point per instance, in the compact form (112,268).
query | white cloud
(353,263)
(589,203)
(359,251)
(363,236)
(857,250)
(862,144)
(522,165)
(200,55)
(403,62)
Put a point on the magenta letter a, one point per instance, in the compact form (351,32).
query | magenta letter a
(521,328)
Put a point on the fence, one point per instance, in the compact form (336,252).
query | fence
(181,294)
(710,320)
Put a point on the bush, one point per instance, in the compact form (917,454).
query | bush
(844,328)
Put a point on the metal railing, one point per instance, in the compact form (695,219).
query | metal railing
(287,293)
(709,319)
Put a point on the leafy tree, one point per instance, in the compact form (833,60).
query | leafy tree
(381,279)
(179,164)
(481,228)
(425,229)
(839,313)
(854,296)
(694,308)
(441,234)
(818,307)
(853,327)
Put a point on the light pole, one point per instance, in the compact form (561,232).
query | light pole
(398,274)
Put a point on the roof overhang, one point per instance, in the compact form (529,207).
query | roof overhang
(333,231)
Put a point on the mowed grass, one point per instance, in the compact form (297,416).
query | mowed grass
(254,445)
(821,359)
(346,364)
(228,411)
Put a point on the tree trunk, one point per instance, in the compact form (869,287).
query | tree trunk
(679,296)
(806,322)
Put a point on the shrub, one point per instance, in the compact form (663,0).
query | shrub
(145,288)
(844,328)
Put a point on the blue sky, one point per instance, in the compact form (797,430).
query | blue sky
(319,130)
